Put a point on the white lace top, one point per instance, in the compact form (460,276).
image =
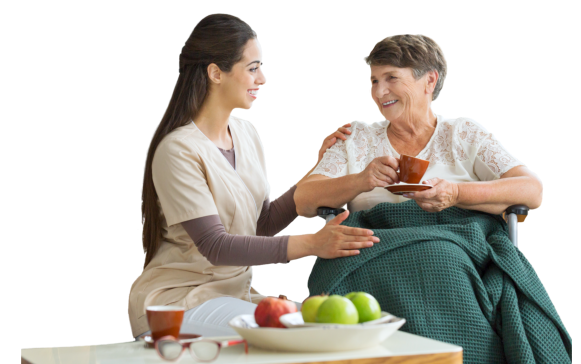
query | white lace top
(460,150)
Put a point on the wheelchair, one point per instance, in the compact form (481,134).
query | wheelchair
(512,215)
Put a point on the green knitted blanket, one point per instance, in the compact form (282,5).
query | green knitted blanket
(455,277)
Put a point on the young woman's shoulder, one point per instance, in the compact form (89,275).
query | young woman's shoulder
(239,120)
(178,141)
(180,133)
(242,123)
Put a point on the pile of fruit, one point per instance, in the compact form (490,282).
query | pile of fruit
(353,308)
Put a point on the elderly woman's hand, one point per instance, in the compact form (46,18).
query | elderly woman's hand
(332,139)
(444,194)
(381,172)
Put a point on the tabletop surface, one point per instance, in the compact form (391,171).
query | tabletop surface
(399,344)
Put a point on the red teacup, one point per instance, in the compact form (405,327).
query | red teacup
(164,320)
(411,170)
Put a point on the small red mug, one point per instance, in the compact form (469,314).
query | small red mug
(164,320)
(411,170)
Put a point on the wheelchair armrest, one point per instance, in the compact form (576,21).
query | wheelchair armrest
(521,211)
(324,211)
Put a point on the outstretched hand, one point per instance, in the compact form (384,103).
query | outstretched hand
(336,240)
(444,194)
(332,139)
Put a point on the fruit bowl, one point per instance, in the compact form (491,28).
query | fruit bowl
(318,338)
(296,320)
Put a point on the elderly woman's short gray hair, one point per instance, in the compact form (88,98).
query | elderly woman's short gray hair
(417,52)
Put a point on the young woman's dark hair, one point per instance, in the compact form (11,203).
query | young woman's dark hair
(218,39)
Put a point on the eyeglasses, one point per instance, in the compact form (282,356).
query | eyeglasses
(202,350)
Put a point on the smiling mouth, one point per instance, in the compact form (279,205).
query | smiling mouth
(253,93)
(389,103)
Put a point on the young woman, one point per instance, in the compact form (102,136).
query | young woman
(207,217)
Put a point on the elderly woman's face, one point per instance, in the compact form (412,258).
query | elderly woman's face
(396,92)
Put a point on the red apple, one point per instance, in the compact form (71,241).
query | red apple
(270,309)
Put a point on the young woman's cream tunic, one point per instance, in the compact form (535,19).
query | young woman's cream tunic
(193,179)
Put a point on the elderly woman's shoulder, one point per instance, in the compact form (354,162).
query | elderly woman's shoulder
(362,126)
(463,124)
(464,129)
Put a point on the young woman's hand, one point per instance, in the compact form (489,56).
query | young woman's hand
(335,240)
(332,139)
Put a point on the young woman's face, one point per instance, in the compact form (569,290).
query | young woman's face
(240,85)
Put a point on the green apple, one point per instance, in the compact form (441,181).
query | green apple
(337,310)
(311,306)
(351,294)
(367,306)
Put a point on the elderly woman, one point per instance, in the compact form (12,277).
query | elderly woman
(433,267)
(468,168)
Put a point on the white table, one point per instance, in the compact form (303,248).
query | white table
(399,348)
